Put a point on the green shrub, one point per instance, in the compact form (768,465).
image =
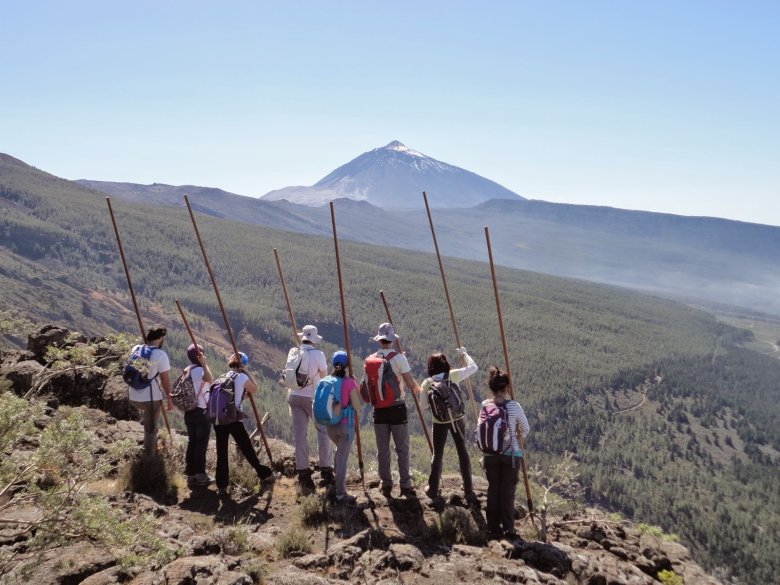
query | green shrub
(293,543)
(670,578)
(312,510)
(456,526)
(150,474)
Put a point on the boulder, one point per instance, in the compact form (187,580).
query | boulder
(38,342)
(114,399)
(21,375)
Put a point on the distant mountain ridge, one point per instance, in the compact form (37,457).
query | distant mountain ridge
(394,176)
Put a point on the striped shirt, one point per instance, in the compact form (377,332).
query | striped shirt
(516,419)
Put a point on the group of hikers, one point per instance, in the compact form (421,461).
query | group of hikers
(332,402)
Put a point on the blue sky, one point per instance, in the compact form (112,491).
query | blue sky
(664,106)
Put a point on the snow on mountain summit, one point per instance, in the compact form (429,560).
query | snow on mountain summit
(395,176)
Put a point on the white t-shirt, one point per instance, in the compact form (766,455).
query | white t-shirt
(158,363)
(202,392)
(316,368)
(239,388)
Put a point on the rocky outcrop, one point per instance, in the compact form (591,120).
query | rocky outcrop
(99,386)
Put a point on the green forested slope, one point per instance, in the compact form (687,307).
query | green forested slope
(579,351)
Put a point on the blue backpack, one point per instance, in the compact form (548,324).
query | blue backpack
(221,408)
(326,404)
(136,375)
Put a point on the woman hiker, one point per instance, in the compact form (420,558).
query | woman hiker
(342,434)
(447,413)
(197,422)
(241,382)
(502,469)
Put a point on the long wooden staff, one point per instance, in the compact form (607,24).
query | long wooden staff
(227,326)
(508,372)
(400,350)
(449,304)
(186,323)
(132,295)
(346,344)
(296,341)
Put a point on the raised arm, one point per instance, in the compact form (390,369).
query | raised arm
(457,375)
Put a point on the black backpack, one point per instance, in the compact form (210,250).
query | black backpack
(446,400)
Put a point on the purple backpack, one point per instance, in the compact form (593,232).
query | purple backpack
(222,408)
(492,428)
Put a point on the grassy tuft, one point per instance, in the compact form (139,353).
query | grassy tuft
(293,543)
(151,475)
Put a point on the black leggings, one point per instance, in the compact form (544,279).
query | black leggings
(502,475)
(244,443)
(440,433)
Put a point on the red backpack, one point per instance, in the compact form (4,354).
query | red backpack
(380,385)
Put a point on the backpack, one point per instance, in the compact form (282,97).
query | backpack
(292,376)
(137,375)
(380,385)
(446,400)
(183,394)
(221,408)
(492,428)
(327,401)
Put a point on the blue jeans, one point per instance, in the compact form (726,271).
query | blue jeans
(198,432)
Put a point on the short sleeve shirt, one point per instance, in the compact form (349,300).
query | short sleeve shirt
(201,387)
(158,363)
(316,364)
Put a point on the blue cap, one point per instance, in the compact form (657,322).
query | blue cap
(340,357)
(244,358)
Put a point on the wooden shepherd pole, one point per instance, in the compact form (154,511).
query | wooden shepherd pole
(186,323)
(132,296)
(508,371)
(400,350)
(227,326)
(346,343)
(449,304)
(296,341)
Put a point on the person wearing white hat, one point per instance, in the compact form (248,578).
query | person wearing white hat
(390,415)
(315,366)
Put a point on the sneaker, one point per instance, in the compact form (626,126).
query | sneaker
(408,492)
(345,499)
(203,479)
(268,479)
(511,535)
(387,490)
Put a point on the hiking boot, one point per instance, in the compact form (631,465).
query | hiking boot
(223,492)
(326,476)
(304,479)
(472,499)
(344,499)
(493,535)
(408,492)
(387,490)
